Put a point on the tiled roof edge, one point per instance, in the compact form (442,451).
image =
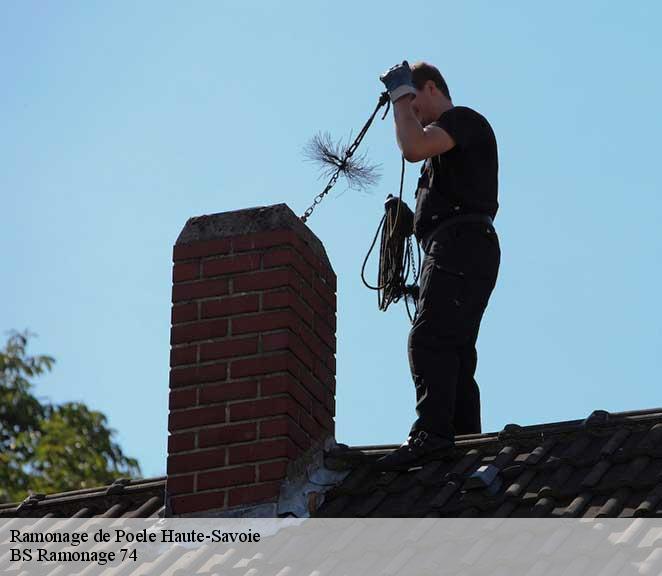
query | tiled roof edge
(602,419)
(130,486)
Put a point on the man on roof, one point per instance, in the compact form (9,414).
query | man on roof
(456,202)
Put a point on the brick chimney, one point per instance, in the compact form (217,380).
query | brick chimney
(252,360)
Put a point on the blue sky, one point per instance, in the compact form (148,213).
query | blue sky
(120,120)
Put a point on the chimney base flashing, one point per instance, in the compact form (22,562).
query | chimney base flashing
(301,494)
(265,510)
(303,490)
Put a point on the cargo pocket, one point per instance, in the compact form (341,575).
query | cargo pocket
(454,280)
(442,296)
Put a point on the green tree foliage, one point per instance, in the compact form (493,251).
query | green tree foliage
(45,447)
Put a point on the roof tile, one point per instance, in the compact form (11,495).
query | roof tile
(593,467)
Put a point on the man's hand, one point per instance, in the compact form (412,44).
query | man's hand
(398,82)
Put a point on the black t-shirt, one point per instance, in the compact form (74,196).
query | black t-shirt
(462,180)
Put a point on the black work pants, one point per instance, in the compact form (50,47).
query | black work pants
(458,274)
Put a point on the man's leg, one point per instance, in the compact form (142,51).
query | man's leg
(433,348)
(450,306)
(435,366)
(467,402)
(477,294)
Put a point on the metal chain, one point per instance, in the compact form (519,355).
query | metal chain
(320,196)
(412,263)
(383,99)
(410,249)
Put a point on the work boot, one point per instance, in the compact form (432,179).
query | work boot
(418,449)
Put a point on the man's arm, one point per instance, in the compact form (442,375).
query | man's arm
(415,142)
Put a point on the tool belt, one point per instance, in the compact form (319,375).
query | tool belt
(452,221)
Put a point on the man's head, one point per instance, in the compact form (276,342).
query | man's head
(432,95)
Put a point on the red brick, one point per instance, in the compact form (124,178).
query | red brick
(226,477)
(197,374)
(231,434)
(261,408)
(183,355)
(281,256)
(333,387)
(196,417)
(228,348)
(323,374)
(184,312)
(323,417)
(179,484)
(200,249)
(228,391)
(181,442)
(260,365)
(330,403)
(286,298)
(317,390)
(230,265)
(264,240)
(309,255)
(316,302)
(298,370)
(330,362)
(309,424)
(263,280)
(288,257)
(272,470)
(183,271)
(324,290)
(263,322)
(200,289)
(284,383)
(330,321)
(306,380)
(230,305)
(285,426)
(200,460)
(275,340)
(275,427)
(326,334)
(253,494)
(182,398)
(198,331)
(263,450)
(286,340)
(329,276)
(197,502)
(318,347)
(332,280)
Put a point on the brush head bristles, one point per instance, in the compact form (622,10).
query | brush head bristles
(331,157)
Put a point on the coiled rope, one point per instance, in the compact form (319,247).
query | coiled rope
(396,256)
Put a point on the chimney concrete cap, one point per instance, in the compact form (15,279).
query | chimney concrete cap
(249,221)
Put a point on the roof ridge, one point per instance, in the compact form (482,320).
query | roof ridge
(597,418)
